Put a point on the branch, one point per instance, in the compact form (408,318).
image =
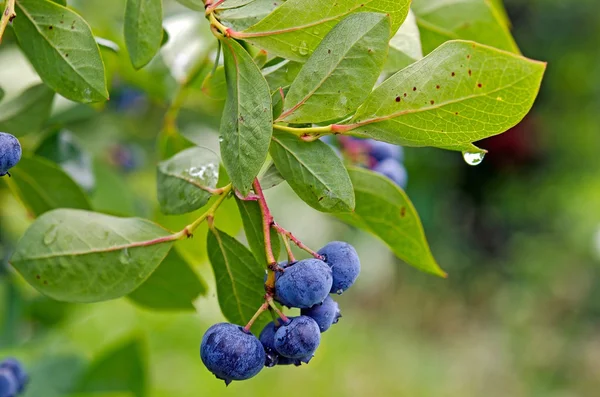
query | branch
(295,240)
(7,16)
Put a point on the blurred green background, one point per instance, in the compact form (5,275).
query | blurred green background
(519,236)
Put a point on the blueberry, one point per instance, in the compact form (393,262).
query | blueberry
(231,353)
(393,170)
(344,263)
(383,150)
(299,338)
(304,283)
(14,366)
(325,314)
(10,152)
(9,385)
(267,338)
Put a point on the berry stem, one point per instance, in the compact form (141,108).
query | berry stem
(271,303)
(267,221)
(207,216)
(295,240)
(260,311)
(288,248)
(7,16)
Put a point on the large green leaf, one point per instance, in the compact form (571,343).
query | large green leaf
(295,29)
(60,46)
(80,256)
(253,227)
(477,20)
(173,286)
(314,171)
(244,16)
(238,275)
(184,181)
(143,30)
(341,72)
(247,122)
(405,46)
(42,186)
(122,369)
(460,93)
(383,209)
(27,113)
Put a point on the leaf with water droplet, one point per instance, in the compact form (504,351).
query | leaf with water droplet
(80,256)
(382,208)
(437,102)
(341,72)
(185,181)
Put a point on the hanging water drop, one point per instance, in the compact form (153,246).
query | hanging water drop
(50,235)
(473,158)
(124,257)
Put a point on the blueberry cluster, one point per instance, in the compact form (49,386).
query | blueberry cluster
(231,352)
(10,152)
(13,378)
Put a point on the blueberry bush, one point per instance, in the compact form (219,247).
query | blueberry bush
(320,95)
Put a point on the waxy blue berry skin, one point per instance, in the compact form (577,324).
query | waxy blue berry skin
(325,314)
(267,338)
(231,353)
(9,385)
(299,338)
(393,170)
(382,151)
(10,152)
(13,365)
(344,263)
(304,284)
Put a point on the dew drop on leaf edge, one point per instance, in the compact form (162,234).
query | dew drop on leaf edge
(473,158)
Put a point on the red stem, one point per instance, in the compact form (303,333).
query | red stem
(293,238)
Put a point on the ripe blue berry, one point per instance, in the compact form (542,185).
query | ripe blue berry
(299,338)
(231,353)
(267,338)
(383,150)
(10,152)
(13,365)
(325,314)
(304,283)
(393,170)
(9,386)
(344,263)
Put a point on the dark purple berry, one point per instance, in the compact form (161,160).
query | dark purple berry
(325,314)
(304,283)
(299,338)
(344,263)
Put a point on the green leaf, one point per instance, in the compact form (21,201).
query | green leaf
(143,30)
(281,74)
(196,5)
(239,278)
(253,227)
(64,149)
(61,2)
(42,186)
(60,46)
(477,20)
(271,178)
(227,4)
(247,122)
(79,256)
(405,46)
(27,113)
(185,181)
(244,16)
(460,93)
(277,99)
(2,93)
(54,376)
(383,209)
(341,72)
(215,84)
(296,28)
(122,369)
(173,286)
(314,171)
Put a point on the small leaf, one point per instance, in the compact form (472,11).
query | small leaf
(63,148)
(341,72)
(239,278)
(253,227)
(244,16)
(27,113)
(281,74)
(247,122)
(185,181)
(173,286)
(42,186)
(271,178)
(277,99)
(79,256)
(405,46)
(383,209)
(314,171)
(295,29)
(122,369)
(62,49)
(143,30)
(477,20)
(215,85)
(108,45)
(460,93)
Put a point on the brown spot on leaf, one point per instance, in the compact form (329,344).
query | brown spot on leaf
(470,72)
(402,212)
(432,101)
(38,276)
(50,27)
(398,99)
(479,85)
(453,74)
(437,87)
(414,88)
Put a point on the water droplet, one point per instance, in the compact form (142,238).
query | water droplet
(125,258)
(303,50)
(221,138)
(339,291)
(473,158)
(294,48)
(50,235)
(316,31)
